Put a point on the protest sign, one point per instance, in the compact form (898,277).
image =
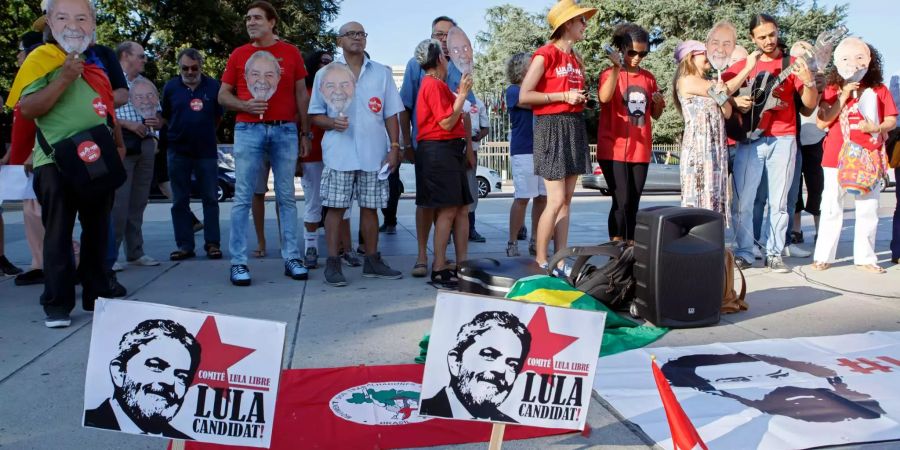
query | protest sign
(182,374)
(510,362)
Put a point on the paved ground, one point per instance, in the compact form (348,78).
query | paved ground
(381,322)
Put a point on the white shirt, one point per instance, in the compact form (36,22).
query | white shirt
(478,115)
(375,99)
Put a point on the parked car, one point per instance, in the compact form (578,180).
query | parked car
(224,184)
(663,175)
(488,180)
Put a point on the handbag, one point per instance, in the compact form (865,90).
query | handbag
(859,169)
(88,160)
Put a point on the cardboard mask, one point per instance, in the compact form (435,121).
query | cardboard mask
(337,87)
(803,49)
(262,74)
(144,98)
(460,48)
(852,58)
(719,46)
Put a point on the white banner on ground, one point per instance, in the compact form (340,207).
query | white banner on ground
(15,184)
(505,361)
(182,374)
(766,394)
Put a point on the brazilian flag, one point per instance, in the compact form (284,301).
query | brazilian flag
(620,334)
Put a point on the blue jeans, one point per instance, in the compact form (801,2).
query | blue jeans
(206,171)
(775,155)
(762,194)
(280,144)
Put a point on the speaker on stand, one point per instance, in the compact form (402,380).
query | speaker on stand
(679,266)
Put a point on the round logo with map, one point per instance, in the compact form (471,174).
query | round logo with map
(387,403)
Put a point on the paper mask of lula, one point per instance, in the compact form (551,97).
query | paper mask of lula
(852,58)
(144,98)
(460,48)
(719,47)
(262,74)
(337,87)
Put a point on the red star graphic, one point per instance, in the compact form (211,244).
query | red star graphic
(545,344)
(216,355)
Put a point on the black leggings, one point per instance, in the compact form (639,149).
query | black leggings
(814,179)
(626,182)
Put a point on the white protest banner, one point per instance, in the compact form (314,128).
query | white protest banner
(506,361)
(182,374)
(15,184)
(766,394)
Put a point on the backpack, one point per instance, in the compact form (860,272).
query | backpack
(733,302)
(859,169)
(612,283)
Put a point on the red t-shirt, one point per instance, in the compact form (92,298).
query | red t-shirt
(23,134)
(315,153)
(835,138)
(435,103)
(283,104)
(560,70)
(624,128)
(783,122)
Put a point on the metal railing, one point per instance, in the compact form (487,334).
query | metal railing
(495,155)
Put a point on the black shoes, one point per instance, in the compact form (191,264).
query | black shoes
(35,276)
(7,267)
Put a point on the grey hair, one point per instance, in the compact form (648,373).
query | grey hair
(428,53)
(51,3)
(142,80)
(261,54)
(723,24)
(191,53)
(124,47)
(516,66)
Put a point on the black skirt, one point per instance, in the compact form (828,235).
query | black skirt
(441,180)
(560,146)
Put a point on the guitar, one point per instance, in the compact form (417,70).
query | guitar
(765,87)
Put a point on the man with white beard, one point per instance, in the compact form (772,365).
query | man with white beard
(66,95)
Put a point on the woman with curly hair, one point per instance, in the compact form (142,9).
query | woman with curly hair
(849,128)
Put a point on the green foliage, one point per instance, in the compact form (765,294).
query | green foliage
(668,21)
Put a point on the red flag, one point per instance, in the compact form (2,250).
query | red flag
(684,435)
(365,407)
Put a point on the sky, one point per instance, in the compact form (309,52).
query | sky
(396,26)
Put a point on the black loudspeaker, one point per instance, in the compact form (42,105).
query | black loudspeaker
(679,266)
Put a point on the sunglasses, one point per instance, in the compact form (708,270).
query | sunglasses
(355,34)
(633,53)
(190,68)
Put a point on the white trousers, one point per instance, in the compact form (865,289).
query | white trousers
(832,220)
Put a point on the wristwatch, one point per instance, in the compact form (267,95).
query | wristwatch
(810,83)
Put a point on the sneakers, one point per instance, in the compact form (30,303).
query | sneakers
(375,267)
(351,259)
(796,237)
(742,263)
(118,267)
(35,276)
(387,229)
(512,249)
(57,321)
(559,272)
(294,268)
(7,267)
(523,233)
(144,261)
(793,251)
(532,248)
(333,275)
(757,253)
(475,237)
(311,259)
(240,275)
(776,264)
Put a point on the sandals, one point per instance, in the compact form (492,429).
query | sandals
(444,276)
(818,265)
(212,251)
(420,270)
(181,255)
(871,268)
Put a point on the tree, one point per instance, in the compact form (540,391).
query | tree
(668,22)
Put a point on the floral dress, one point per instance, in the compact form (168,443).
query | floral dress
(704,155)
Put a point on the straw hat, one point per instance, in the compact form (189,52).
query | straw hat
(566,10)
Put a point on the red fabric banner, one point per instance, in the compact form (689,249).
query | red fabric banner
(684,435)
(365,407)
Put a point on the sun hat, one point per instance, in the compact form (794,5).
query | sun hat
(566,10)
(688,48)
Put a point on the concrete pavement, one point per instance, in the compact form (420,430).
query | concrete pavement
(380,322)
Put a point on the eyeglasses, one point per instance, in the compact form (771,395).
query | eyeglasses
(190,68)
(439,35)
(355,34)
(633,53)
